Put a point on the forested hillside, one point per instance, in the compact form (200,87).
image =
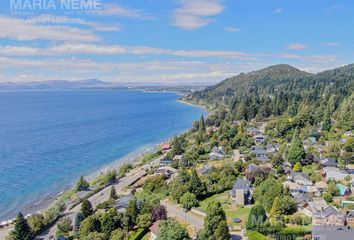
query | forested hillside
(284,90)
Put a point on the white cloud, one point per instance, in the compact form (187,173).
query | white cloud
(195,14)
(94,49)
(22,30)
(111,9)
(232,29)
(297,46)
(278,10)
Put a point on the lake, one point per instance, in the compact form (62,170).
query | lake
(49,138)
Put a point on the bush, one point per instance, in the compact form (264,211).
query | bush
(292,233)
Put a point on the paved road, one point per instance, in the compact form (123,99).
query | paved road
(133,176)
(179,213)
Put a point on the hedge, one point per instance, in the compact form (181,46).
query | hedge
(139,234)
(292,233)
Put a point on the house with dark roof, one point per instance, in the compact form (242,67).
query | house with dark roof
(302,198)
(259,138)
(260,152)
(205,169)
(332,233)
(328,216)
(241,192)
(272,148)
(253,131)
(165,162)
(328,162)
(350,217)
(218,153)
(301,178)
(314,206)
(122,203)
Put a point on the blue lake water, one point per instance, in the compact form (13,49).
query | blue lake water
(49,138)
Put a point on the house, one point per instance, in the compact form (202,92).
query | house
(205,169)
(310,190)
(166,146)
(168,171)
(302,198)
(177,157)
(301,178)
(332,233)
(349,134)
(334,173)
(218,153)
(241,192)
(253,131)
(328,162)
(287,167)
(314,206)
(350,217)
(165,162)
(344,190)
(154,229)
(293,187)
(212,129)
(238,156)
(272,148)
(260,152)
(321,186)
(251,168)
(259,138)
(328,216)
(122,203)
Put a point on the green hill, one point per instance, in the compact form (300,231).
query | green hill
(283,89)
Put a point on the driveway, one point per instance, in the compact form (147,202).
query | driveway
(174,210)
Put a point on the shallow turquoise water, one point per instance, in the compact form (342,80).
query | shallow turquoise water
(49,138)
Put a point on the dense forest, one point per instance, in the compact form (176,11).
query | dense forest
(284,90)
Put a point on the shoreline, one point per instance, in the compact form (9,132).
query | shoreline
(47,200)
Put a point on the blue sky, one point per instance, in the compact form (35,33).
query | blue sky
(170,41)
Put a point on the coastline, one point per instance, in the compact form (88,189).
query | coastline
(46,201)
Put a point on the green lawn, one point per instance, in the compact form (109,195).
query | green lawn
(221,197)
(256,236)
(231,212)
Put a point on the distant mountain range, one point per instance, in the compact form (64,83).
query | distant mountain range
(56,84)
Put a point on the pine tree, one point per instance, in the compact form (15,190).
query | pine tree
(202,124)
(196,186)
(132,213)
(327,125)
(256,217)
(86,208)
(22,230)
(113,193)
(222,231)
(276,211)
(296,151)
(82,184)
(215,215)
